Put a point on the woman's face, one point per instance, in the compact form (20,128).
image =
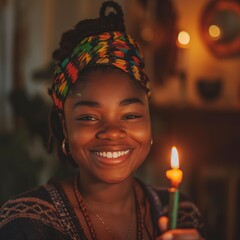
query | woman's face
(107,126)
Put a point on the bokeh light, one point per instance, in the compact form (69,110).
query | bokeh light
(183,38)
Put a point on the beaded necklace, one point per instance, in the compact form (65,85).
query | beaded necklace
(105,225)
(83,208)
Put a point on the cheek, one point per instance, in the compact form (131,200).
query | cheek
(142,133)
(78,137)
(76,140)
(78,145)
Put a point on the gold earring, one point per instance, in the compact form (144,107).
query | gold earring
(64,147)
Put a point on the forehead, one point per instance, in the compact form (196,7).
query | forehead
(107,81)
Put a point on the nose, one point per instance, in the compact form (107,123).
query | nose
(111,133)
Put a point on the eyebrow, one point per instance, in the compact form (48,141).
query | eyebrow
(122,103)
(129,101)
(86,103)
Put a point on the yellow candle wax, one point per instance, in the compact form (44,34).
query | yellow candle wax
(175,176)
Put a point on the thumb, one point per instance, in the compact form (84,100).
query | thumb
(163,224)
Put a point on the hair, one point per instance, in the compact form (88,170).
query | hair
(110,19)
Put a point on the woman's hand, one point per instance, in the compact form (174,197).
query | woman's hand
(180,234)
(176,234)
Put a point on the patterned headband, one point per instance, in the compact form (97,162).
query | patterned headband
(110,48)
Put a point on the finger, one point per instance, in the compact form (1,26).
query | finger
(166,236)
(180,234)
(186,234)
(163,224)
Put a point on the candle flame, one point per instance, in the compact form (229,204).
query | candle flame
(174,158)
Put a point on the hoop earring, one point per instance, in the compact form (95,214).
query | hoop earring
(64,143)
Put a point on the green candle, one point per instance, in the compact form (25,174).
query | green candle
(173,208)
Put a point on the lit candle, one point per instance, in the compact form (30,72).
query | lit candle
(175,176)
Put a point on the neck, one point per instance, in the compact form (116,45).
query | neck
(115,202)
(104,196)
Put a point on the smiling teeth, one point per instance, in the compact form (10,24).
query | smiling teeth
(112,154)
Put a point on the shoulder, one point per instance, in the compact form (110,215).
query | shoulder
(189,215)
(162,194)
(34,204)
(29,213)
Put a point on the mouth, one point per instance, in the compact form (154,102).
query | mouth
(112,158)
(110,155)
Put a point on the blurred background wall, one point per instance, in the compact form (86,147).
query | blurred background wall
(195,103)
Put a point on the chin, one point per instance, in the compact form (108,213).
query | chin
(115,178)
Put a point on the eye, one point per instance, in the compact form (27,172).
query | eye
(131,116)
(87,118)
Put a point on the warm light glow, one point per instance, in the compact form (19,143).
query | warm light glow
(174,158)
(214,31)
(183,38)
(174,174)
(147,34)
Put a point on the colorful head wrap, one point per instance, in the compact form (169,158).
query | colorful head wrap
(110,48)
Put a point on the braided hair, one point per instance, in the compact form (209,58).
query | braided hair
(110,19)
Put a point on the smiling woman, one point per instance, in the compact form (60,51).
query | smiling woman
(101,123)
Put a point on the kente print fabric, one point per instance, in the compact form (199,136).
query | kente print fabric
(110,48)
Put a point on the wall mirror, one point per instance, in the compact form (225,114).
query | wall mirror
(220,27)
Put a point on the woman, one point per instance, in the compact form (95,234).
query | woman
(101,123)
